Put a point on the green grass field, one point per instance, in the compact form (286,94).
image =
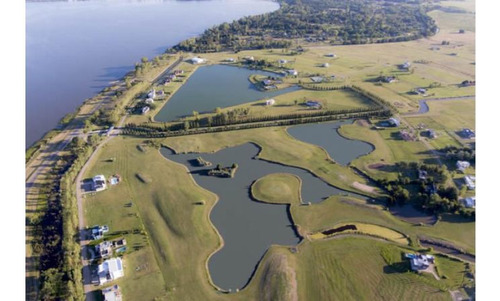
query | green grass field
(277,189)
(170,235)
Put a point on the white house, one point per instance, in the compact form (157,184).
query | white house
(462,165)
(197,60)
(469,202)
(104,249)
(98,231)
(110,270)
(112,293)
(282,61)
(293,72)
(326,65)
(145,109)
(99,182)
(469,182)
(419,261)
(406,65)
(149,101)
(152,94)
(270,102)
(229,60)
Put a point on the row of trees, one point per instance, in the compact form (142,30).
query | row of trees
(341,21)
(57,228)
(454,153)
(161,131)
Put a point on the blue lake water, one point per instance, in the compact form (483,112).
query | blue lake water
(215,86)
(74,49)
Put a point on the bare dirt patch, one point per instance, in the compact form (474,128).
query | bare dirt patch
(376,166)
(363,187)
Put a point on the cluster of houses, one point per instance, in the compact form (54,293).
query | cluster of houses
(172,76)
(99,182)
(112,268)
(271,82)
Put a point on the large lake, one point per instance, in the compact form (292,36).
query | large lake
(74,49)
(215,86)
(249,227)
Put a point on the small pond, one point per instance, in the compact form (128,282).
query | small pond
(326,135)
(215,86)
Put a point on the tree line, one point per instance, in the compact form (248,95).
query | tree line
(337,21)
(158,131)
(57,228)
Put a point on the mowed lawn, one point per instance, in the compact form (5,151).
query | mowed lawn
(354,268)
(278,188)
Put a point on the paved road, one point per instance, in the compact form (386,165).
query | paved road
(424,108)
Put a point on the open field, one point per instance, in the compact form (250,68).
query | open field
(166,220)
(293,103)
(355,269)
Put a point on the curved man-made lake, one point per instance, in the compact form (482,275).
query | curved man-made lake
(74,49)
(326,135)
(215,86)
(248,227)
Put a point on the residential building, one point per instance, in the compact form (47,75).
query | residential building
(313,104)
(317,79)
(419,262)
(104,249)
(145,109)
(152,94)
(469,182)
(325,65)
(463,165)
(197,60)
(110,270)
(99,182)
(293,72)
(112,293)
(469,202)
(149,100)
(270,102)
(97,232)
(393,122)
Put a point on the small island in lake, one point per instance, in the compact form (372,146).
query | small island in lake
(224,172)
